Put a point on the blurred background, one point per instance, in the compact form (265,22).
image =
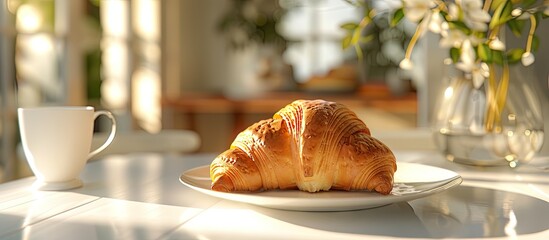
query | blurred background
(211,66)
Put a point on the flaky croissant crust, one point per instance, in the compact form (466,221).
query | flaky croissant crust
(311,145)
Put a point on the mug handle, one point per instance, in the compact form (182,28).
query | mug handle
(111,135)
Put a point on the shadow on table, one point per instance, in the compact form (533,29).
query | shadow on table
(397,220)
(462,212)
(10,223)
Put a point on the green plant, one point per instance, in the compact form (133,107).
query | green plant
(470,29)
(252,21)
(373,40)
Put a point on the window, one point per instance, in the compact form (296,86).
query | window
(313,29)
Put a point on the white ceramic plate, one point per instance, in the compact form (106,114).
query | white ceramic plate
(412,181)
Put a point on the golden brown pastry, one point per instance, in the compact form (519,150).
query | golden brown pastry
(311,145)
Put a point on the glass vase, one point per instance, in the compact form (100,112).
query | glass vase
(497,122)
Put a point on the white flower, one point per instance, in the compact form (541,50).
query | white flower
(453,12)
(455,38)
(415,10)
(477,71)
(473,15)
(480,74)
(406,64)
(463,25)
(516,12)
(467,57)
(435,24)
(497,44)
(527,59)
(452,38)
(520,14)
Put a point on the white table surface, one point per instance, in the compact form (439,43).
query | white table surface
(138,196)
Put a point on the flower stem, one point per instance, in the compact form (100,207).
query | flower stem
(501,94)
(531,33)
(415,37)
(491,104)
(497,97)
(494,33)
(486,6)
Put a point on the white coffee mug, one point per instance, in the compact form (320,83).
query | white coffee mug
(57,142)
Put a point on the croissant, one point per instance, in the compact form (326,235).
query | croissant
(310,145)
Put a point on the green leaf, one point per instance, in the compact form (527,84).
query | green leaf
(516,26)
(484,53)
(455,54)
(496,3)
(514,55)
(444,14)
(397,17)
(498,57)
(349,26)
(501,15)
(346,42)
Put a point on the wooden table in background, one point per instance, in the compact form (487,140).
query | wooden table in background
(368,97)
